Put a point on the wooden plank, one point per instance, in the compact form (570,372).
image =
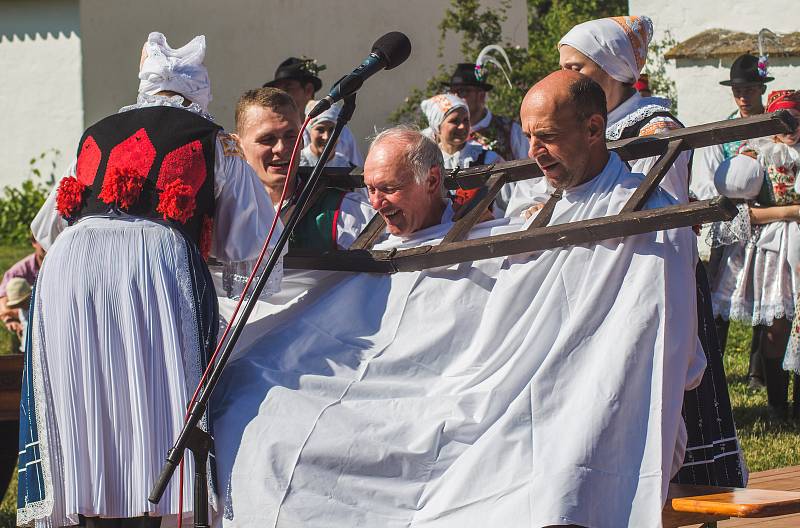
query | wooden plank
(546,213)
(366,239)
(477,208)
(644,147)
(654,177)
(738,502)
(573,233)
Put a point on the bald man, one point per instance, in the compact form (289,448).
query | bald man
(565,116)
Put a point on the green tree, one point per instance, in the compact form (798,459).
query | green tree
(18,205)
(477,26)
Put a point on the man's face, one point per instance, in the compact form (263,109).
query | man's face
(454,130)
(748,98)
(319,134)
(302,93)
(267,137)
(558,141)
(405,205)
(473,95)
(571,59)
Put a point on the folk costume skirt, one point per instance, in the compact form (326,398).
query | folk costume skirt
(124,316)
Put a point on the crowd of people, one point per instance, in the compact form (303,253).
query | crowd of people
(563,388)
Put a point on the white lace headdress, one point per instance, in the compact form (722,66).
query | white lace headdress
(617,44)
(179,70)
(437,107)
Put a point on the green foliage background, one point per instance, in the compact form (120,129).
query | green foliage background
(18,205)
(548,21)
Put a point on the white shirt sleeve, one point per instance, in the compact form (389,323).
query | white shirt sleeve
(676,180)
(706,162)
(243,211)
(354,215)
(348,147)
(48,222)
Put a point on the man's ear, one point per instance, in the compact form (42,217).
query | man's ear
(435,178)
(236,138)
(596,126)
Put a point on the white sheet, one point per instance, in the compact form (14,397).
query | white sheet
(516,392)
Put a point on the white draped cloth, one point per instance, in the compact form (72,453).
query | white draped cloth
(116,345)
(518,392)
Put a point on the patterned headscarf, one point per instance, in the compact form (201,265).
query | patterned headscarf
(437,107)
(178,70)
(783,100)
(617,44)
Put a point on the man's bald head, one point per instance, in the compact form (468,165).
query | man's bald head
(564,114)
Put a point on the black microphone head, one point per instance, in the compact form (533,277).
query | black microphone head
(394,47)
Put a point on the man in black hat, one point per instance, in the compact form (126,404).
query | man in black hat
(298,77)
(748,84)
(502,134)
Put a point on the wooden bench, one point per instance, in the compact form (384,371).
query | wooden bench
(706,505)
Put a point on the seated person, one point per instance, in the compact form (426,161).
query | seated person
(532,390)
(267,125)
(319,131)
(28,269)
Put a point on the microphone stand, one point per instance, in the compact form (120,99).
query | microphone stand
(191,436)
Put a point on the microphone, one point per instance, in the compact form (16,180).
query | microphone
(389,51)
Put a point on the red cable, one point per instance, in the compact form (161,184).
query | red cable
(297,143)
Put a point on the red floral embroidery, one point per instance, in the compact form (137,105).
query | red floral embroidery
(205,237)
(69,196)
(781,169)
(177,202)
(122,187)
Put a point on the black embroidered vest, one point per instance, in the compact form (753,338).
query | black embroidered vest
(497,136)
(155,162)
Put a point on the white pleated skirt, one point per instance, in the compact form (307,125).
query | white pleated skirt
(117,354)
(754,285)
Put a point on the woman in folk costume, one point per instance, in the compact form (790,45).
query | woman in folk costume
(780,158)
(125,311)
(319,131)
(448,118)
(612,52)
(758,284)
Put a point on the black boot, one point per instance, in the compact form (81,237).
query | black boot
(777,381)
(755,372)
(796,397)
(722,333)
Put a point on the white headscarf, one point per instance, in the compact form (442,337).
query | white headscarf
(437,107)
(331,114)
(739,177)
(617,44)
(179,70)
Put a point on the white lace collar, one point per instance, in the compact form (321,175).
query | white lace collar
(631,111)
(175,101)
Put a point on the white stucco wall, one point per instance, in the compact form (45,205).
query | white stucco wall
(701,99)
(247,39)
(40,96)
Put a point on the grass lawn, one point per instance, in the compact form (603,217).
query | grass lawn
(767,443)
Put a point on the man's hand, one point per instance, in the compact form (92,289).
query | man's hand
(14,326)
(532,210)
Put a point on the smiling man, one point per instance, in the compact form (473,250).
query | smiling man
(403,175)
(267,126)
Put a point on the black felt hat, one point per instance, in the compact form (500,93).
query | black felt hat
(744,70)
(295,69)
(465,75)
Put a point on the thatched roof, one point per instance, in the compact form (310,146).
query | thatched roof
(719,43)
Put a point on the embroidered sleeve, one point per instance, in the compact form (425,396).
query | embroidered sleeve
(658,125)
(230,147)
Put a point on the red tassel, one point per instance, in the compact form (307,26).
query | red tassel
(177,202)
(69,196)
(122,187)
